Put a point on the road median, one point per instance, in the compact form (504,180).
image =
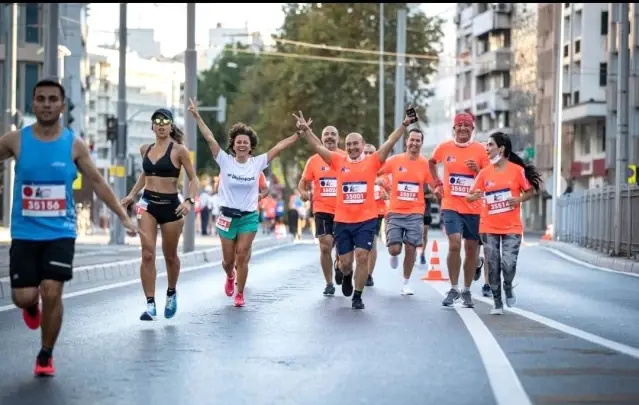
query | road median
(126,269)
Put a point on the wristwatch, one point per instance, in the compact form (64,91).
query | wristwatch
(191,200)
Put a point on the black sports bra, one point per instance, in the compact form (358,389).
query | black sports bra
(163,167)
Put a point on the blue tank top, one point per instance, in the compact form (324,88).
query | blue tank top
(43,204)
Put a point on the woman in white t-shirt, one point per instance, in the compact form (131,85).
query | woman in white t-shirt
(238,190)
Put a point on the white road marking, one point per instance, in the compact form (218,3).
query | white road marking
(136,281)
(585,264)
(504,382)
(578,333)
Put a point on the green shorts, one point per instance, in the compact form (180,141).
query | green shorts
(246,224)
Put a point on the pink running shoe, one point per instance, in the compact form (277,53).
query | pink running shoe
(229,285)
(239,300)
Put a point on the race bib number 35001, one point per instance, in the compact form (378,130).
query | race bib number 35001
(497,201)
(354,192)
(328,187)
(407,191)
(223,223)
(460,184)
(44,200)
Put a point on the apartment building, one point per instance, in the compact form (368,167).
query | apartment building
(483,67)
(151,84)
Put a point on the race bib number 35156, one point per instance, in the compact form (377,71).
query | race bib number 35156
(354,192)
(460,184)
(497,201)
(44,200)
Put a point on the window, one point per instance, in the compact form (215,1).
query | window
(603,74)
(32,17)
(577,46)
(30,79)
(604,23)
(566,51)
(576,97)
(566,5)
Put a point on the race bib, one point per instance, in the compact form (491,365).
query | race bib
(460,184)
(44,200)
(140,207)
(223,223)
(354,192)
(407,191)
(328,186)
(378,192)
(497,201)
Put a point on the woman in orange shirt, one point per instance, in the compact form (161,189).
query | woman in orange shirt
(504,185)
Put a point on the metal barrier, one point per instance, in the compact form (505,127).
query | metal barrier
(587,219)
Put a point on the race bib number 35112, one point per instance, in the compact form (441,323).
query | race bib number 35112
(354,192)
(497,201)
(460,184)
(44,200)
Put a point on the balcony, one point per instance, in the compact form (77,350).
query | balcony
(588,111)
(498,60)
(490,21)
(492,100)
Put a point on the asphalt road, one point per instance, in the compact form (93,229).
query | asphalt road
(291,345)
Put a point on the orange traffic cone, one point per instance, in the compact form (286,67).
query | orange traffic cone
(434,270)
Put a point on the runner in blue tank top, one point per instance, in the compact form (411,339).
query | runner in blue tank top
(43,218)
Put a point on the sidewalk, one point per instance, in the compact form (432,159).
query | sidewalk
(96,261)
(594,258)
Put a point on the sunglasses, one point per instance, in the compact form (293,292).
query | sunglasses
(161,121)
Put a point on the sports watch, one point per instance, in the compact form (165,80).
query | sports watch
(191,200)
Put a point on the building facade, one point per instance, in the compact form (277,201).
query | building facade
(483,70)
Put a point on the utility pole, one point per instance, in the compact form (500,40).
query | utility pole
(400,77)
(51,66)
(381,80)
(10,69)
(117,230)
(190,66)
(622,119)
(559,85)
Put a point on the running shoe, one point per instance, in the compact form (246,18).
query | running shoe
(150,313)
(229,285)
(32,321)
(480,264)
(370,282)
(452,296)
(358,303)
(339,276)
(44,367)
(171,306)
(467,299)
(347,285)
(239,300)
(329,290)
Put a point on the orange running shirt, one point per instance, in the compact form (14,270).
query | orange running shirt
(458,178)
(324,179)
(498,216)
(355,188)
(407,188)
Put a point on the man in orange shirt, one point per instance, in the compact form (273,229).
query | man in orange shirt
(409,173)
(355,208)
(462,159)
(323,179)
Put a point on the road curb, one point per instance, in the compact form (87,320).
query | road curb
(620,264)
(130,268)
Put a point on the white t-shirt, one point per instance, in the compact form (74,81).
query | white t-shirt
(238,187)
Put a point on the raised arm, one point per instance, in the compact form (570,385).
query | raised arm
(387,147)
(204,130)
(312,139)
(281,145)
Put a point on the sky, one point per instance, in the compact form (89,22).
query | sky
(169,21)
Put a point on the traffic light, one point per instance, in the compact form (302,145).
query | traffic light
(68,118)
(111,128)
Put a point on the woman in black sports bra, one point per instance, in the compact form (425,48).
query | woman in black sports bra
(160,205)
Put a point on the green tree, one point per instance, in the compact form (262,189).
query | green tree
(340,88)
(222,79)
